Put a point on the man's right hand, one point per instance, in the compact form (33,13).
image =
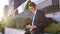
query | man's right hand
(28,26)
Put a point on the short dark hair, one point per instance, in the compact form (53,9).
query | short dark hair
(32,4)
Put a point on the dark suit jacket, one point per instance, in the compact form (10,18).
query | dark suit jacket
(39,22)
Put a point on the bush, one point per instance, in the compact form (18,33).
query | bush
(53,28)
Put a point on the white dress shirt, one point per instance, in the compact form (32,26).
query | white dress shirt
(34,17)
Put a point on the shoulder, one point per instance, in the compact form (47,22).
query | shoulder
(40,11)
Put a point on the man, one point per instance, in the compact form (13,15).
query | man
(39,20)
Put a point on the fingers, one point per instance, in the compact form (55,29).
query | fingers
(28,26)
(34,26)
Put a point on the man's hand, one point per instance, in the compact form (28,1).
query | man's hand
(30,27)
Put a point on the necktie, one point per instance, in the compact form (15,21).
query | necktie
(33,19)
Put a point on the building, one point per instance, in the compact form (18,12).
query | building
(11,7)
(5,12)
(41,4)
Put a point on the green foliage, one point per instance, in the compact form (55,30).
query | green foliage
(28,20)
(26,7)
(17,23)
(23,23)
(9,22)
(53,28)
(1,28)
(16,12)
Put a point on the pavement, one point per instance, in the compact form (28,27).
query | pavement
(17,31)
(0,33)
(13,31)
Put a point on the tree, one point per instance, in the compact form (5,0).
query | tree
(16,12)
(52,26)
(26,7)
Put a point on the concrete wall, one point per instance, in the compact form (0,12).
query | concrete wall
(0,33)
(40,4)
(59,3)
(11,7)
(44,4)
(13,31)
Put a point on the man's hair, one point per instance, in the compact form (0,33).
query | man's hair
(32,4)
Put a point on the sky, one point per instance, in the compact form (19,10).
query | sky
(2,3)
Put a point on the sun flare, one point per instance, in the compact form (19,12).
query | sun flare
(2,4)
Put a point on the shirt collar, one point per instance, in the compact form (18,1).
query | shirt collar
(35,11)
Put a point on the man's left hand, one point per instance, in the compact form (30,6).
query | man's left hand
(32,27)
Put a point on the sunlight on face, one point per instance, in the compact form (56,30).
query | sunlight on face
(2,4)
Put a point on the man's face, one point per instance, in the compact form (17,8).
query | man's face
(32,8)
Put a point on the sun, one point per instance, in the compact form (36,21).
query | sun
(2,4)
(1,12)
(1,15)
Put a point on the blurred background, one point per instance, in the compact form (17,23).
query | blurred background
(15,14)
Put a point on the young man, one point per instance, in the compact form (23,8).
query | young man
(39,20)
